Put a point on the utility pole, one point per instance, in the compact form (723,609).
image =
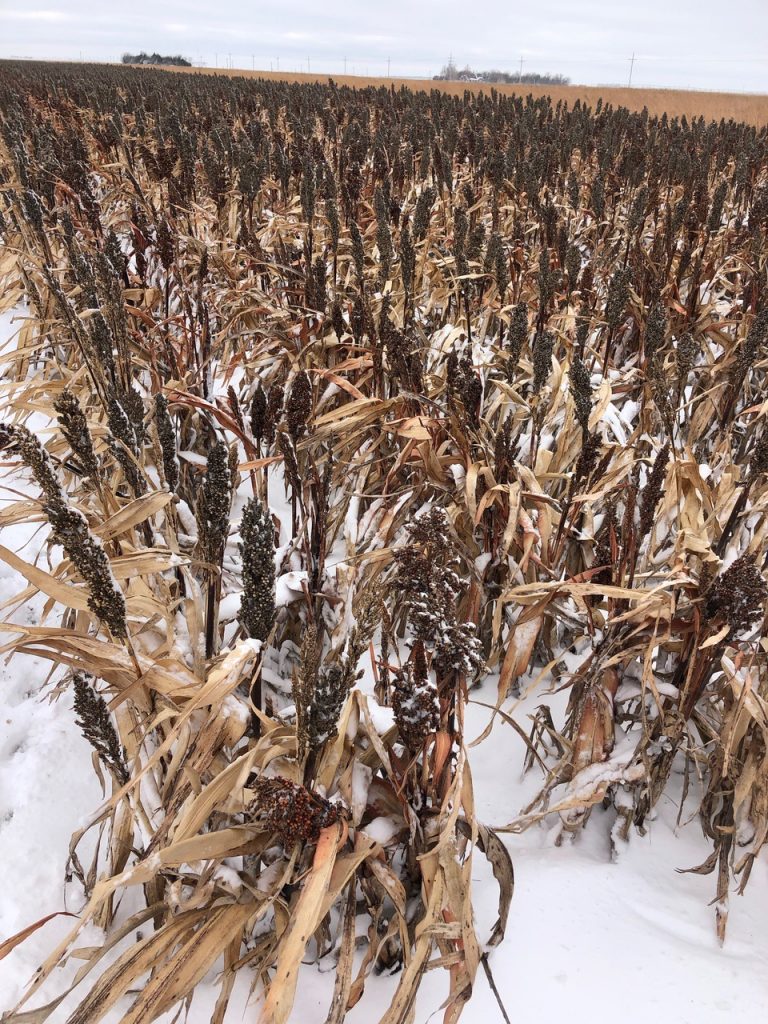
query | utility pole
(520,72)
(631,69)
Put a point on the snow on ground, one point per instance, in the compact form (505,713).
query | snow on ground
(590,935)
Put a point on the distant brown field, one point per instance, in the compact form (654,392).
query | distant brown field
(753,109)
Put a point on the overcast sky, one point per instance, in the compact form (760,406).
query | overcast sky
(704,44)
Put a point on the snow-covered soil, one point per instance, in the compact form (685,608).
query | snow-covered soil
(595,933)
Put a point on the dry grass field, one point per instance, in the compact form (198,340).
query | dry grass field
(750,108)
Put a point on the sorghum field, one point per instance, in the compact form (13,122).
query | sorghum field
(339,414)
(749,107)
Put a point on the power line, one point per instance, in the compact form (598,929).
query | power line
(537,58)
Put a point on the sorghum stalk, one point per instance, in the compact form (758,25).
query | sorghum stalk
(70,529)
(213,525)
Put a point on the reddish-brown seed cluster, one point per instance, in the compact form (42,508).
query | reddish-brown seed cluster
(291,810)
(737,596)
(653,490)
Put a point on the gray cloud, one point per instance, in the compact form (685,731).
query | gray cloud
(677,43)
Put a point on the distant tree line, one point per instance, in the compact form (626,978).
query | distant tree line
(451,73)
(156,58)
